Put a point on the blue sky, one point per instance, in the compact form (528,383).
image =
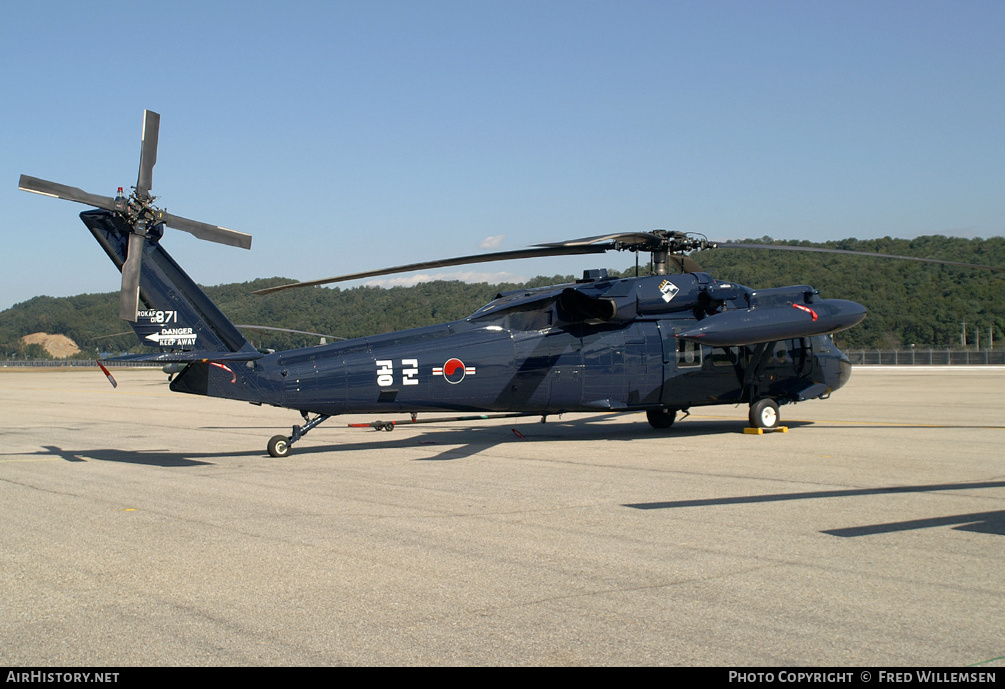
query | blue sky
(354,135)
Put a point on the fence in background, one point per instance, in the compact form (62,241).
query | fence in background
(70,363)
(925,357)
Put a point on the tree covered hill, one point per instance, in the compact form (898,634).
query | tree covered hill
(908,302)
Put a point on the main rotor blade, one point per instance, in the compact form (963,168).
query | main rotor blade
(639,241)
(823,250)
(148,152)
(61,191)
(269,328)
(560,250)
(211,233)
(129,297)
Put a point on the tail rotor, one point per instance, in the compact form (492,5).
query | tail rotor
(139,214)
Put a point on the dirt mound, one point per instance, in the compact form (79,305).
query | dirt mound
(58,346)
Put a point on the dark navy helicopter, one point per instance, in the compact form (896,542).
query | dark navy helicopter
(660,343)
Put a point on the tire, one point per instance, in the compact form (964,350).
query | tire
(764,414)
(279,446)
(661,418)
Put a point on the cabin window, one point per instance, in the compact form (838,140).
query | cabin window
(725,356)
(688,354)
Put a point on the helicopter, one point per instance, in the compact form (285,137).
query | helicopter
(661,343)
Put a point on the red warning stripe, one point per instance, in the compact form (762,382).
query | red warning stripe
(108,375)
(807,310)
(233,378)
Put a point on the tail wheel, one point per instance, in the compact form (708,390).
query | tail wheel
(279,446)
(764,413)
(661,418)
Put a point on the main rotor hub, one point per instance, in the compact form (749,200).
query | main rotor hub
(664,243)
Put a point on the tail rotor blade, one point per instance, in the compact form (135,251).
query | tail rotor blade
(148,152)
(129,297)
(61,191)
(211,233)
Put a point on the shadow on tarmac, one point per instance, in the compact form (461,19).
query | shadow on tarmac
(977,522)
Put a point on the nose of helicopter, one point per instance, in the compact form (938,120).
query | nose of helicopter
(844,371)
(833,364)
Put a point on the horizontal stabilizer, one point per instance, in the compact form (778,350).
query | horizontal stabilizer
(186,357)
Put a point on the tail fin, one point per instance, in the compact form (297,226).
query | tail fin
(176,315)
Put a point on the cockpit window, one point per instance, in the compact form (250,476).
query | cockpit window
(537,319)
(523,310)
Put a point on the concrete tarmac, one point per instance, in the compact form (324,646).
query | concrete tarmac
(145,527)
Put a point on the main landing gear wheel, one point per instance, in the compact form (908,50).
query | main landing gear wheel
(764,414)
(661,418)
(279,446)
